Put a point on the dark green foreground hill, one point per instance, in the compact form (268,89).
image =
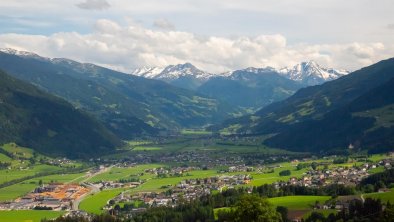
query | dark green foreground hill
(48,124)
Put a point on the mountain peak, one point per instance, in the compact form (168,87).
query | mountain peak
(311,73)
(22,53)
(172,72)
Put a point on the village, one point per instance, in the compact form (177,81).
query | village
(187,190)
(348,176)
(191,189)
(231,174)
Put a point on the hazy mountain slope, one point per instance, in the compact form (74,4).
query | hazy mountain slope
(120,100)
(248,88)
(367,122)
(312,103)
(48,124)
(81,91)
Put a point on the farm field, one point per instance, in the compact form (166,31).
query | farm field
(388,196)
(268,178)
(298,202)
(28,215)
(95,202)
(16,190)
(8,175)
(146,148)
(4,158)
(117,173)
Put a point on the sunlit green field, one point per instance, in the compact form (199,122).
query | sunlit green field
(117,173)
(17,190)
(298,202)
(4,158)
(95,202)
(195,132)
(7,175)
(388,196)
(28,215)
(268,178)
(155,184)
(146,148)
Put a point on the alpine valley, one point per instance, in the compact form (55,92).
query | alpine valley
(80,142)
(280,105)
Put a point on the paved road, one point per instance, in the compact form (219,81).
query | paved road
(93,188)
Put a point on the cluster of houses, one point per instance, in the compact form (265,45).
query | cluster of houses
(173,171)
(55,196)
(195,158)
(186,190)
(348,176)
(57,162)
(112,185)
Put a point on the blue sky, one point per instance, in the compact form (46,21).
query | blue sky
(216,35)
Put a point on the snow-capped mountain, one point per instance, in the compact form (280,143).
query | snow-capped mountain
(307,73)
(147,72)
(172,72)
(22,53)
(310,73)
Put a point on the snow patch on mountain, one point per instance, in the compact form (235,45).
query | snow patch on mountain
(22,53)
(310,73)
(172,72)
(307,73)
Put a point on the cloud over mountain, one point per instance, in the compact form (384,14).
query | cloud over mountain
(126,46)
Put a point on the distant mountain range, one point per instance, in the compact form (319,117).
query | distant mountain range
(250,88)
(48,124)
(355,110)
(306,73)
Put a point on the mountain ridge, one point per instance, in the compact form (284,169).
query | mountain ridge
(312,108)
(128,105)
(307,73)
(49,124)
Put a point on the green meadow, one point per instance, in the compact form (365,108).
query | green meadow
(117,173)
(28,215)
(387,196)
(298,202)
(95,202)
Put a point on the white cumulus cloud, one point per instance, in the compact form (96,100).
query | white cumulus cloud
(131,46)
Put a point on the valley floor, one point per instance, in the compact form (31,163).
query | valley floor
(144,172)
